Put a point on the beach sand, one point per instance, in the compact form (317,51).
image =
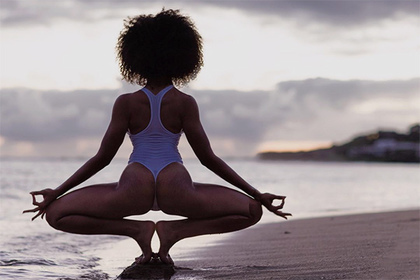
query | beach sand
(365,246)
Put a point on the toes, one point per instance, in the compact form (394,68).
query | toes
(142,259)
(166,259)
(139,259)
(170,260)
(154,258)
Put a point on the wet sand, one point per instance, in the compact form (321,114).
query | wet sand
(365,246)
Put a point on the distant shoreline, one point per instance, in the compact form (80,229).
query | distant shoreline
(382,146)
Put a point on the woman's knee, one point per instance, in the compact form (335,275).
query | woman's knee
(255,211)
(53,215)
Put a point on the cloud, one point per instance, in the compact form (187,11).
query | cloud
(39,12)
(336,13)
(236,122)
(339,14)
(333,110)
(309,110)
(38,116)
(231,113)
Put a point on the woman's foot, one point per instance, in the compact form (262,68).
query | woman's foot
(142,259)
(168,260)
(144,239)
(167,238)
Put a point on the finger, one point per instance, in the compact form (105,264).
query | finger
(279,197)
(30,210)
(36,216)
(33,199)
(37,193)
(273,207)
(269,207)
(283,215)
(278,212)
(278,207)
(42,192)
(34,202)
(282,204)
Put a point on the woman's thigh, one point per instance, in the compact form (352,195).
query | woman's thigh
(178,195)
(132,195)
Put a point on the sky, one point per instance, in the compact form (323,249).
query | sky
(278,75)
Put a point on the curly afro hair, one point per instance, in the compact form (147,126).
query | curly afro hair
(162,46)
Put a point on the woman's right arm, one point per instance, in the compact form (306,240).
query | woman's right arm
(112,140)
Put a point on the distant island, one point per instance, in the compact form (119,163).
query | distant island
(382,146)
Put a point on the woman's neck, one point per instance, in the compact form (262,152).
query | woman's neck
(158,84)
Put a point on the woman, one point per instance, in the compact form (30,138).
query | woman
(155,52)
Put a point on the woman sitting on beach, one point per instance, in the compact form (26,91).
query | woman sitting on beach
(155,52)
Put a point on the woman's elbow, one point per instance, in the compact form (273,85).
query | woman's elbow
(107,161)
(102,160)
(208,159)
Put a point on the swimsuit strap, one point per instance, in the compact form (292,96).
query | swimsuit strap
(155,102)
(159,94)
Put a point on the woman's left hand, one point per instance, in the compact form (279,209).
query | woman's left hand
(49,196)
(267,199)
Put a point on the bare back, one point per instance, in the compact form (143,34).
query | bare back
(171,114)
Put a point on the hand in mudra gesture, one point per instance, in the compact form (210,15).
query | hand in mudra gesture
(49,196)
(267,200)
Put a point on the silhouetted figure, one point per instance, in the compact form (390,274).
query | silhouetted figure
(156,52)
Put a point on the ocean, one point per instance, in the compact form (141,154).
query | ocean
(33,250)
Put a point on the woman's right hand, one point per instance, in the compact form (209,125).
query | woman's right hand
(49,196)
(267,199)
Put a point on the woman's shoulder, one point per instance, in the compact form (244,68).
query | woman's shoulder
(185,98)
(122,100)
(127,101)
(130,98)
(187,104)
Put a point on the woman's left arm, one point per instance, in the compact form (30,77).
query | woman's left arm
(200,144)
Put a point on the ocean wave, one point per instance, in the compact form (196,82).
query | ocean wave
(15,262)
(93,275)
